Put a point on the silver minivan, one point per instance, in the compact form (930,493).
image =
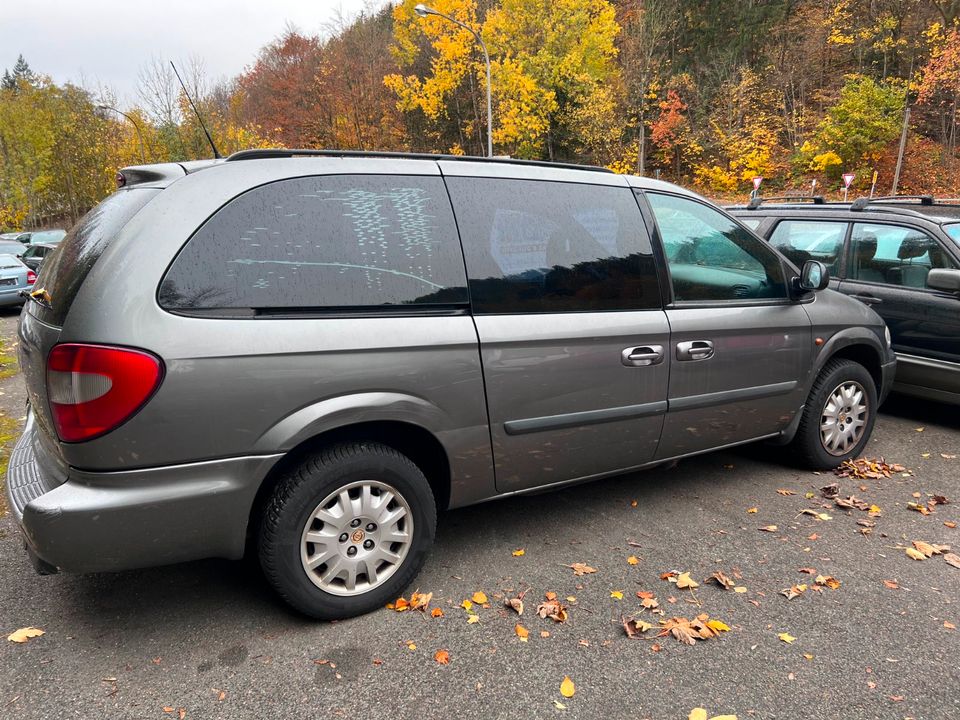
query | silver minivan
(309,354)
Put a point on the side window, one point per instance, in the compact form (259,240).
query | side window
(535,246)
(751,222)
(894,255)
(802,240)
(338,241)
(710,256)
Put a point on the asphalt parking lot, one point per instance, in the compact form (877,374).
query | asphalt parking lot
(208,639)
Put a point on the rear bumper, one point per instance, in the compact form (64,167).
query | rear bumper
(96,522)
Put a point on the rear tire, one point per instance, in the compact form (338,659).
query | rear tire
(839,415)
(346,531)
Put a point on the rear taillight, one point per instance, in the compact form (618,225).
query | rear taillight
(93,389)
(31,277)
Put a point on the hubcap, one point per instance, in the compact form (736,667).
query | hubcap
(844,418)
(356,538)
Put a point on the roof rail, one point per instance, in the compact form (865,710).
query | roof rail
(861,203)
(283,153)
(756,202)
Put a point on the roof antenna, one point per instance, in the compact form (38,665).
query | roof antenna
(197,112)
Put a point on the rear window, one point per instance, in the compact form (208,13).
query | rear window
(328,242)
(65,269)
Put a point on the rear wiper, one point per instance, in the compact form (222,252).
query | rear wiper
(41,297)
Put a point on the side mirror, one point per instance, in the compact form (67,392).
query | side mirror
(814,276)
(940,279)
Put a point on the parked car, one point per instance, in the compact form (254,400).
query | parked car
(14,277)
(33,255)
(15,237)
(901,256)
(45,237)
(12,247)
(334,348)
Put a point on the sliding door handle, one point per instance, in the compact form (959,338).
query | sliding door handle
(695,350)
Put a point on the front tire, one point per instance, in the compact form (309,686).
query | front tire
(839,415)
(346,531)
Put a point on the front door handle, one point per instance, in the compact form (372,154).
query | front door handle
(695,350)
(642,356)
(867,299)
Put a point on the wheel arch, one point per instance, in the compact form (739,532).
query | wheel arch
(412,440)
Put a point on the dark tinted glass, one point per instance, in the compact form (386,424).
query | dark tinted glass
(534,246)
(65,269)
(710,256)
(339,241)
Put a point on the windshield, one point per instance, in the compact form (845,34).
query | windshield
(953,231)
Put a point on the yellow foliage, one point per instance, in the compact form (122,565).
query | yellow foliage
(824,161)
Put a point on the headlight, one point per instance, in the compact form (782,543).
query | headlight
(886,335)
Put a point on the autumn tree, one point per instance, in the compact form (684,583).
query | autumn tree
(939,91)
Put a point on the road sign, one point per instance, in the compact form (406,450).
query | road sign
(756,182)
(848,179)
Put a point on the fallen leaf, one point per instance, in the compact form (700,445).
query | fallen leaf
(544,633)
(168,709)
(519,553)
(181,713)
(635,627)
(793,591)
(473,619)
(567,688)
(718,625)
(442,657)
(948,456)
(830,491)
(827,581)
(399,605)
(552,609)
(521,632)
(656,647)
(721,579)
(950,524)
(949,625)
(616,594)
(768,528)
(697,714)
(786,637)
(411,646)
(419,601)
(926,548)
(953,560)
(814,513)
(739,589)
(582,569)
(467,605)
(559,705)
(808,656)
(436,612)
(752,510)
(633,503)
(684,581)
(515,603)
(221,695)
(479,598)
(785,492)
(24,634)
(922,509)
(632,560)
(915,554)
(920,429)
(808,570)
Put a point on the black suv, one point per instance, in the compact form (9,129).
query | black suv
(900,256)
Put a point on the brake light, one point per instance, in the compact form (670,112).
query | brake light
(31,277)
(93,389)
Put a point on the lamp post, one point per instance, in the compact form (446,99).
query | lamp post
(422,10)
(136,126)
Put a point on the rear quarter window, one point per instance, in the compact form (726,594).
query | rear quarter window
(323,242)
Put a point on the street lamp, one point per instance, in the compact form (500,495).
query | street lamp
(422,10)
(136,126)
